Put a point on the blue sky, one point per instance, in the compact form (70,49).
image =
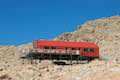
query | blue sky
(22,21)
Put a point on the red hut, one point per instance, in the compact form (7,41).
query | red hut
(63,48)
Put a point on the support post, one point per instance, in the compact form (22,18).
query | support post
(31,57)
(71,59)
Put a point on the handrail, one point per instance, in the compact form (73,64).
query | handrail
(56,51)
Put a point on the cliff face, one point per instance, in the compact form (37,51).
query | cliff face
(105,32)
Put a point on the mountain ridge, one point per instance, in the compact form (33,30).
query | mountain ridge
(105,32)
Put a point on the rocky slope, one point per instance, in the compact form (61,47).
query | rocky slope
(104,32)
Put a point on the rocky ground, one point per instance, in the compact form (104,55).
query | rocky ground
(105,32)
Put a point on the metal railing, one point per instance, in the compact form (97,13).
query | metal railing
(59,51)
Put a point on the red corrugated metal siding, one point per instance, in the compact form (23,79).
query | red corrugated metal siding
(66,44)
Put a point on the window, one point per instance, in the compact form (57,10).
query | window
(92,50)
(86,50)
(66,48)
(73,48)
(46,47)
(53,47)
